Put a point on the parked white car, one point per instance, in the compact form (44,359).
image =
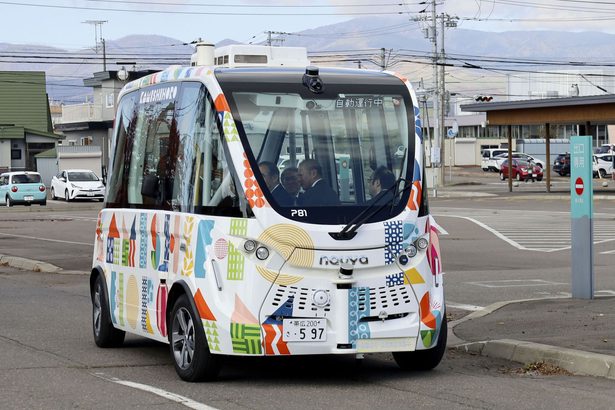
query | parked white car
(77,183)
(519,156)
(602,165)
(487,162)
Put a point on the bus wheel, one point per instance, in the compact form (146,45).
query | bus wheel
(105,335)
(191,356)
(424,359)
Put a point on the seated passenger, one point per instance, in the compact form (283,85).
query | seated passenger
(271,175)
(381,179)
(290,182)
(317,191)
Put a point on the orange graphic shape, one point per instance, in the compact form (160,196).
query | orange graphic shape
(427,317)
(270,335)
(221,104)
(202,307)
(113,232)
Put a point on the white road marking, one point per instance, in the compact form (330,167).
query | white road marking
(46,239)
(515,283)
(537,231)
(185,401)
(462,306)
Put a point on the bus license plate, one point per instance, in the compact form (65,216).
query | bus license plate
(28,198)
(304,330)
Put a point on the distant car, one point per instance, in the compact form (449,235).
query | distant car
(488,155)
(518,155)
(604,149)
(561,165)
(22,188)
(603,164)
(521,170)
(77,183)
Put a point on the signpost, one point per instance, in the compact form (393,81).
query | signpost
(581,212)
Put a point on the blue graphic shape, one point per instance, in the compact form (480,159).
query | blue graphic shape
(143,242)
(417,123)
(286,310)
(164,267)
(396,279)
(110,250)
(416,174)
(203,240)
(358,308)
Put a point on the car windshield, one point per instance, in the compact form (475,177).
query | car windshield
(329,153)
(26,179)
(82,176)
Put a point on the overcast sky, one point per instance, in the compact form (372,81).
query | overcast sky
(59,22)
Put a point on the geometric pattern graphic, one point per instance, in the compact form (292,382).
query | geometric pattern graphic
(252,191)
(414,202)
(273,277)
(188,263)
(221,248)
(246,338)
(235,266)
(274,343)
(395,279)
(433,251)
(358,308)
(132,301)
(143,241)
(292,242)
(427,316)
(414,277)
(211,333)
(393,238)
(230,131)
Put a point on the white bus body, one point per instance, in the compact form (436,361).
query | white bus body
(195,249)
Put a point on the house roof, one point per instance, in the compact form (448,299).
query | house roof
(50,153)
(23,100)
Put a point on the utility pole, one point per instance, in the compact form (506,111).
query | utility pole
(99,41)
(280,40)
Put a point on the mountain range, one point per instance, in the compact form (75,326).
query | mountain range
(406,47)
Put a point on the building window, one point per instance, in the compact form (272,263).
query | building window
(15,154)
(86,140)
(110,98)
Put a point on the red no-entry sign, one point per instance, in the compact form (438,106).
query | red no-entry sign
(579,186)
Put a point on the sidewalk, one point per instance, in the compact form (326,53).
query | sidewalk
(577,335)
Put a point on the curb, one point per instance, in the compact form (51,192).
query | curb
(34,266)
(575,361)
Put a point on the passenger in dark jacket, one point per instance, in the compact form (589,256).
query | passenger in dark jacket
(271,175)
(317,191)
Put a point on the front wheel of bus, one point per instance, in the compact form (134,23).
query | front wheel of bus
(105,335)
(191,356)
(422,360)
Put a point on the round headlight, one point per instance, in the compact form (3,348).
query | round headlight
(262,253)
(422,243)
(411,251)
(249,246)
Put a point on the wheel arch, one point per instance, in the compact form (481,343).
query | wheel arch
(178,289)
(96,272)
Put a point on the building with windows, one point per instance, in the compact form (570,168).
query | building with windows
(25,120)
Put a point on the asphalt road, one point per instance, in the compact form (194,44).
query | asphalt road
(49,360)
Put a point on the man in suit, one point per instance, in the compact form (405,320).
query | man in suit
(317,191)
(290,182)
(381,179)
(271,175)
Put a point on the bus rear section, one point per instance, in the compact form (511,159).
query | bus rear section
(269,211)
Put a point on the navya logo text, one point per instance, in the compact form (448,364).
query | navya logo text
(335,260)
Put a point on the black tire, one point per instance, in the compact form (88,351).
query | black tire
(602,173)
(423,360)
(105,335)
(538,179)
(188,345)
(66,196)
(502,176)
(8,201)
(53,193)
(561,174)
(44,203)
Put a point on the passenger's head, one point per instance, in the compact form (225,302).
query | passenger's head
(381,179)
(270,173)
(290,180)
(309,172)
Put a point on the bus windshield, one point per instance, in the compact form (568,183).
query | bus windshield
(328,154)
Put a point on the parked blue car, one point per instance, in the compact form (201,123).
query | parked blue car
(22,188)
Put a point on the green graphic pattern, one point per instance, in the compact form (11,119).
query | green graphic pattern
(239,227)
(211,332)
(246,338)
(230,131)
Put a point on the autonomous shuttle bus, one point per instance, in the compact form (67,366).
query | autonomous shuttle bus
(208,244)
